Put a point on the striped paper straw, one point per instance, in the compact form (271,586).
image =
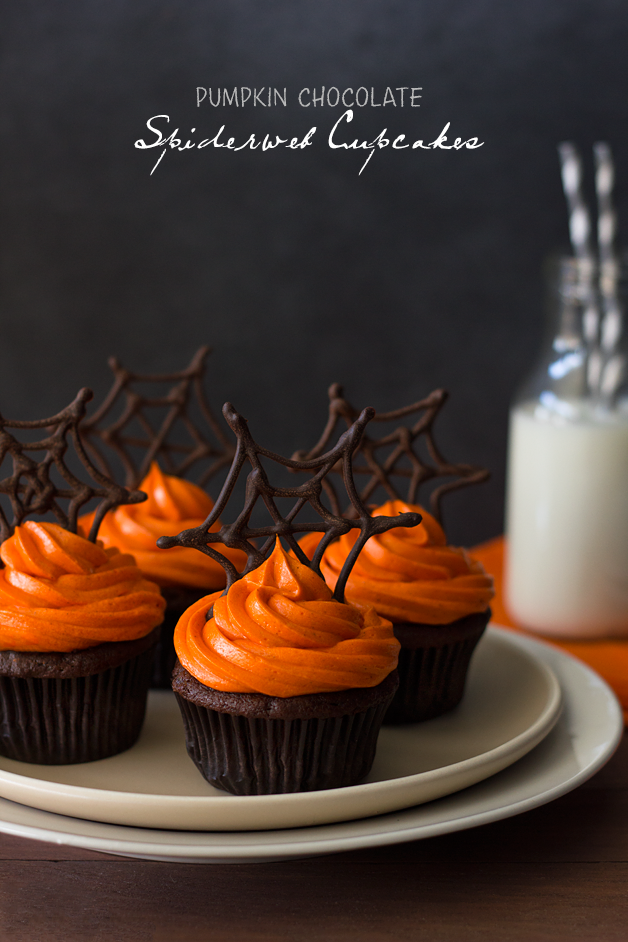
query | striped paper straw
(579,219)
(580,235)
(613,368)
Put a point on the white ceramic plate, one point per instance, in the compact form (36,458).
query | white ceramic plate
(584,738)
(511,703)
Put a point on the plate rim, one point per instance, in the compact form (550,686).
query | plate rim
(394,794)
(58,828)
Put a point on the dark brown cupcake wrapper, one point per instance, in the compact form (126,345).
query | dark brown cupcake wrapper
(253,755)
(433,666)
(177,600)
(65,720)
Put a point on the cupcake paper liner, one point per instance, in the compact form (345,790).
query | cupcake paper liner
(59,721)
(254,755)
(251,756)
(433,665)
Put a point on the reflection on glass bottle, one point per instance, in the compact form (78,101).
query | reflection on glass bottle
(567,504)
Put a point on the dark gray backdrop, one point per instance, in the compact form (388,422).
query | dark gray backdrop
(424,271)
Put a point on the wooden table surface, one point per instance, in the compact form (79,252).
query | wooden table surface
(557,873)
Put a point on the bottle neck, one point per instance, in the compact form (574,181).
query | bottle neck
(584,356)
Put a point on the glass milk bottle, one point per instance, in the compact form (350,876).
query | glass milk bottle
(567,491)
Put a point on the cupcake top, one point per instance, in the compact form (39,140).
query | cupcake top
(279,632)
(410,574)
(173,505)
(59,592)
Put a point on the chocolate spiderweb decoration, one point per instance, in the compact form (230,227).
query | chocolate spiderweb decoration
(30,488)
(399,457)
(177,458)
(240,534)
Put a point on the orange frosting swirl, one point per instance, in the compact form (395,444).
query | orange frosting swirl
(173,505)
(279,632)
(59,592)
(408,574)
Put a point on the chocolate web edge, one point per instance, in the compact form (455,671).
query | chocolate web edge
(402,439)
(186,385)
(37,493)
(239,534)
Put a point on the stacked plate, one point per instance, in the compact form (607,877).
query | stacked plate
(534,724)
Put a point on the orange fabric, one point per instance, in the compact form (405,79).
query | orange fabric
(279,632)
(408,574)
(173,505)
(608,658)
(59,592)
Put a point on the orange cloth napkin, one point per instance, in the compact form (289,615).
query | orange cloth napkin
(608,658)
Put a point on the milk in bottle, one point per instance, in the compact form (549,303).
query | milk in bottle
(567,490)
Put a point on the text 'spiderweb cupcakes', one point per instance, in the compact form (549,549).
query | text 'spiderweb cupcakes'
(283,685)
(77,622)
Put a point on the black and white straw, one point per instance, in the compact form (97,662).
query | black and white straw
(613,363)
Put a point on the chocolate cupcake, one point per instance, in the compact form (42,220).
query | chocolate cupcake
(437,598)
(433,665)
(77,622)
(77,636)
(283,685)
(183,575)
(61,708)
(283,689)
(145,419)
(435,595)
